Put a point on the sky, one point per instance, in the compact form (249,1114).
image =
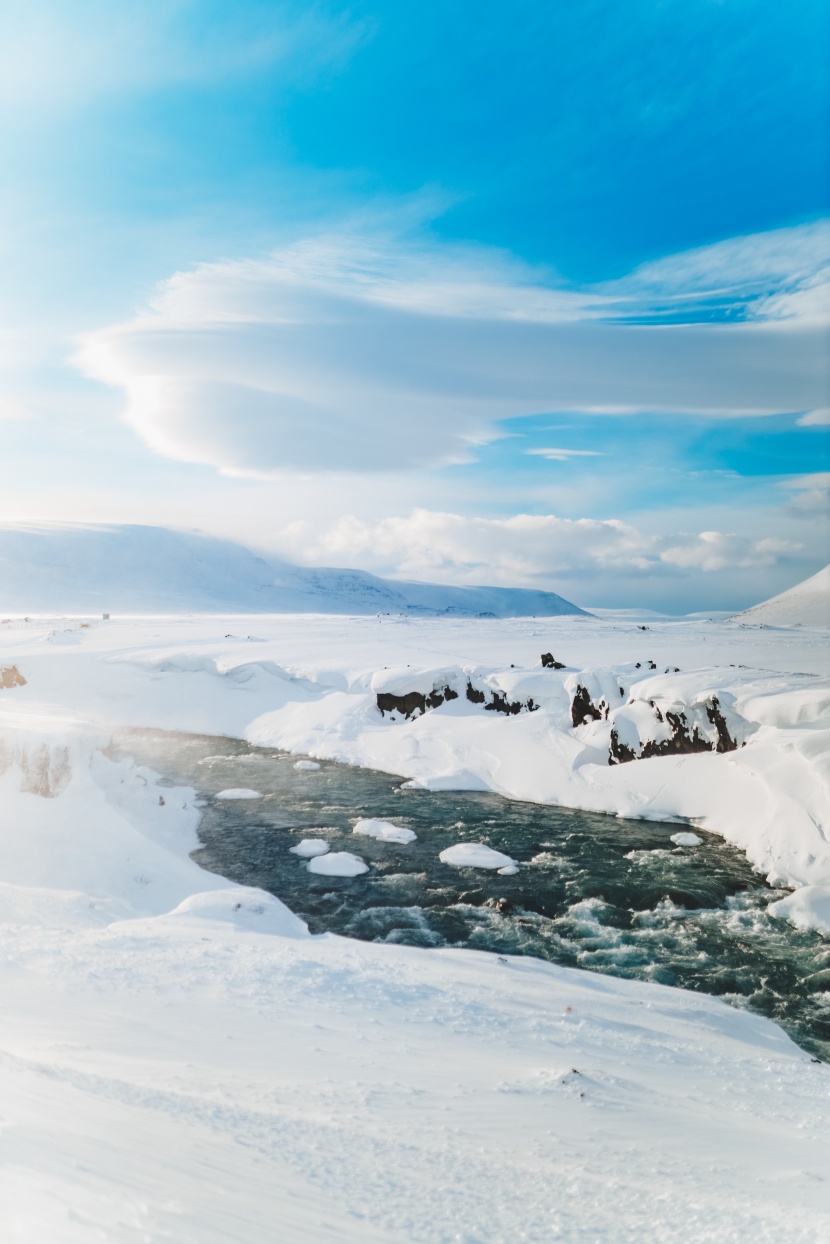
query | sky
(532,294)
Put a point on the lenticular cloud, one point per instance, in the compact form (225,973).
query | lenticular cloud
(334,355)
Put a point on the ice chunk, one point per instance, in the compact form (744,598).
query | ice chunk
(338,864)
(309,847)
(306,765)
(475,855)
(239,792)
(686,840)
(509,870)
(808,908)
(385,831)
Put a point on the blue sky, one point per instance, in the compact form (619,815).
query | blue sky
(351,283)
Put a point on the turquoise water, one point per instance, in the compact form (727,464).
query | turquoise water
(593,891)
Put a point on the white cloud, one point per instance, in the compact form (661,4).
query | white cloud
(340,355)
(524,549)
(815,418)
(562,455)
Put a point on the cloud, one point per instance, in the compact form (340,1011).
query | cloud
(52,52)
(348,354)
(525,549)
(815,418)
(811,495)
(783,274)
(562,455)
(14,411)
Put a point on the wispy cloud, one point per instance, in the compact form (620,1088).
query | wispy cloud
(562,455)
(345,354)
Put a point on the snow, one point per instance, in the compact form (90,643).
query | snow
(309,847)
(385,831)
(239,792)
(686,840)
(807,908)
(806,604)
(306,766)
(140,569)
(338,864)
(181,1060)
(475,855)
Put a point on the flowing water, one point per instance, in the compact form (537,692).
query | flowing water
(593,891)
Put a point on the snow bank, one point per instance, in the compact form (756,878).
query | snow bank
(179,1059)
(807,908)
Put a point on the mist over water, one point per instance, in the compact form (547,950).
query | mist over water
(593,891)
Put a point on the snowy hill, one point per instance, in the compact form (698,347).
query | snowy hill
(47,568)
(806,604)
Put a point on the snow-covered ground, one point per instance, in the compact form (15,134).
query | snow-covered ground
(181,1061)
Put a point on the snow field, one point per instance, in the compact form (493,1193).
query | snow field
(181,1060)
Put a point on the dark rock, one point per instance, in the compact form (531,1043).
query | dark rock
(583,709)
(474,696)
(725,741)
(550,663)
(501,704)
(683,742)
(413,702)
(502,905)
(620,753)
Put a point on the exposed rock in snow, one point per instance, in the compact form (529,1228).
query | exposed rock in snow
(10,676)
(338,864)
(641,730)
(385,831)
(476,855)
(806,604)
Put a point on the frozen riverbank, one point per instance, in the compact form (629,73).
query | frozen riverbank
(181,1060)
(734,720)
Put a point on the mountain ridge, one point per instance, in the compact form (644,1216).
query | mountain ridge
(136,568)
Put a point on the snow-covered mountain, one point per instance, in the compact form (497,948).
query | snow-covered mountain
(806,604)
(46,568)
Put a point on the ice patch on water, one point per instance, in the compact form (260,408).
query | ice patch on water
(239,792)
(686,840)
(384,831)
(308,848)
(475,855)
(338,864)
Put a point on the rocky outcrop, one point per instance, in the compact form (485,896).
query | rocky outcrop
(10,676)
(549,662)
(583,708)
(413,703)
(686,738)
